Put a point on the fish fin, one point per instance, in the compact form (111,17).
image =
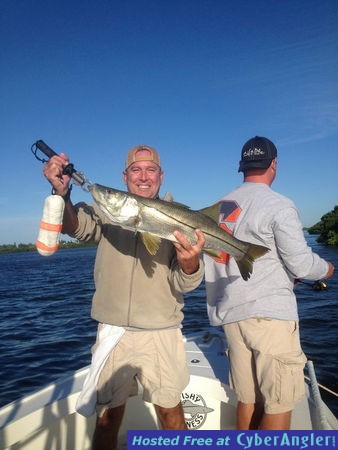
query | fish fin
(212,253)
(245,267)
(244,263)
(182,205)
(151,242)
(168,197)
(211,211)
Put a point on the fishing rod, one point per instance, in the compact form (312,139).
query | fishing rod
(318,285)
(78,177)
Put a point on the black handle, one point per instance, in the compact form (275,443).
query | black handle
(45,149)
(78,177)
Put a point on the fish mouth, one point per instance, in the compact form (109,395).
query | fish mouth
(100,198)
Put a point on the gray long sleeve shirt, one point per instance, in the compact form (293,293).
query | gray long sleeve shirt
(257,214)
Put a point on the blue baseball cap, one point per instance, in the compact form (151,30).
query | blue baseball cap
(257,153)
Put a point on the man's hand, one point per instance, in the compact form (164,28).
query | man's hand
(188,255)
(53,171)
(330,272)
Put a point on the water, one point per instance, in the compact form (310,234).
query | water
(46,331)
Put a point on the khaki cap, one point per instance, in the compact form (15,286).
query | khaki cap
(142,153)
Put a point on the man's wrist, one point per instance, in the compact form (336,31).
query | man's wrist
(66,196)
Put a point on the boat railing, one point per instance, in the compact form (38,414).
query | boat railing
(317,399)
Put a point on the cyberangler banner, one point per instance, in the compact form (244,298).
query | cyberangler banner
(232,440)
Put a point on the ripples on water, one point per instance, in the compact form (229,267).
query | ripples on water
(46,331)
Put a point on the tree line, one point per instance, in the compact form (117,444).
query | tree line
(327,228)
(13,248)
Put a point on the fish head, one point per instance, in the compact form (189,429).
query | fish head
(119,206)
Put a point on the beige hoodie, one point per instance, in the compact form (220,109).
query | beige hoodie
(133,288)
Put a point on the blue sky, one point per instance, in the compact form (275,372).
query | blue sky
(193,78)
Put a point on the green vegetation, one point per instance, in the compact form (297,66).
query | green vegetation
(327,228)
(13,248)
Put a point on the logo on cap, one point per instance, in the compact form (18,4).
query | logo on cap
(253,152)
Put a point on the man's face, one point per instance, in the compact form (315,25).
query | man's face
(143,178)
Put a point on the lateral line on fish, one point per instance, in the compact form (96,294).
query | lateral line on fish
(185,224)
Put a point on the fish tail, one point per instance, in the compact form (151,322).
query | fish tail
(245,266)
(255,251)
(244,263)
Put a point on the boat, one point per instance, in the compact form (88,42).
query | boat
(47,419)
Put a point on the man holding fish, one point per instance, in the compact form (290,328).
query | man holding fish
(138,292)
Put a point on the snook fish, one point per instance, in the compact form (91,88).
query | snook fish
(191,408)
(157,219)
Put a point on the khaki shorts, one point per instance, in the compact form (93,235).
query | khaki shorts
(156,358)
(266,363)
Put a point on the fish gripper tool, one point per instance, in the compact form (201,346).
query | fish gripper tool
(78,177)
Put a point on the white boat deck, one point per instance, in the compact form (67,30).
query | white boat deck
(47,418)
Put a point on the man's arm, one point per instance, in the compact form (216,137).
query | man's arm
(295,252)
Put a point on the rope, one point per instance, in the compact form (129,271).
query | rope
(323,387)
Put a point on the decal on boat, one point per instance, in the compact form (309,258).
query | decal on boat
(195,410)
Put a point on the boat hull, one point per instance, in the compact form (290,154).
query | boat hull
(47,419)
